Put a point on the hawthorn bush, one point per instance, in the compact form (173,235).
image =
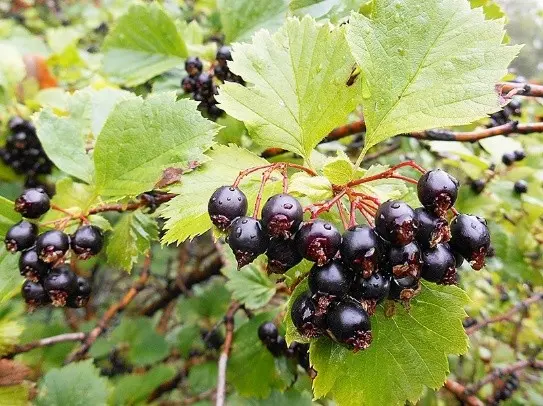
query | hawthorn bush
(252,202)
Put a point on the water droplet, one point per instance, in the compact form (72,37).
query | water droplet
(238,231)
(220,202)
(395,205)
(231,188)
(244,221)
(287,206)
(239,199)
(229,198)
(327,226)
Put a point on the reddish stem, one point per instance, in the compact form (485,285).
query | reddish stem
(404,178)
(366,215)
(352,218)
(326,206)
(340,208)
(265,176)
(274,166)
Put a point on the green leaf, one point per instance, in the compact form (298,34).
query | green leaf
(187,214)
(288,397)
(144,43)
(10,331)
(334,10)
(241,18)
(339,170)
(409,351)
(76,384)
(426,64)
(209,302)
(131,237)
(383,189)
(10,279)
(8,215)
(314,187)
(250,286)
(12,68)
(141,138)
(136,388)
(14,395)
(202,377)
(297,91)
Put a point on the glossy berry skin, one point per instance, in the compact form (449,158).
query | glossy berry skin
(277,347)
(33,203)
(282,255)
(52,246)
(282,215)
(395,222)
(247,239)
(404,288)
(188,84)
(31,267)
(34,294)
(508,158)
(375,288)
(87,241)
(318,241)
(304,318)
(437,191)
(267,332)
(193,66)
(437,262)
(82,294)
(521,187)
(226,204)
(405,260)
(348,323)
(477,186)
(332,280)
(519,155)
(470,238)
(361,249)
(224,54)
(432,230)
(60,284)
(21,236)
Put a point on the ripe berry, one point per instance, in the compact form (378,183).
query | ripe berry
(329,281)
(519,155)
(405,260)
(247,239)
(437,191)
(204,84)
(33,203)
(395,222)
(375,288)
(348,323)
(193,65)
(224,54)
(21,236)
(60,284)
(304,318)
(277,347)
(267,332)
(188,84)
(432,229)
(34,294)
(31,267)
(318,241)
(477,186)
(282,255)
(508,158)
(470,238)
(52,246)
(436,262)
(226,204)
(17,123)
(521,187)
(82,294)
(282,215)
(361,249)
(87,241)
(404,288)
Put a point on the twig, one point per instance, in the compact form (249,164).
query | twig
(113,310)
(119,207)
(510,89)
(227,346)
(45,342)
(459,391)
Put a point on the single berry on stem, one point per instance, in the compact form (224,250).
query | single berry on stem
(31,267)
(282,255)
(52,246)
(395,222)
(405,260)
(437,262)
(304,318)
(361,249)
(519,155)
(477,186)
(226,204)
(318,241)
(329,282)
(432,230)
(87,241)
(371,291)
(508,158)
(247,239)
(277,347)
(348,323)
(21,236)
(282,215)
(470,238)
(520,187)
(437,191)
(193,66)
(267,332)
(81,296)
(60,284)
(188,84)
(34,294)
(224,54)
(33,203)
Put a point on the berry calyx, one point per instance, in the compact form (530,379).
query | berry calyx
(361,249)
(87,241)
(60,284)
(520,187)
(508,158)
(34,294)
(405,261)
(318,241)
(395,222)
(52,246)
(470,238)
(437,262)
(432,230)
(247,239)
(328,282)
(226,204)
(31,267)
(21,236)
(404,289)
(282,215)
(348,323)
(282,255)
(304,318)
(267,332)
(82,294)
(33,203)
(374,289)
(437,191)
(193,65)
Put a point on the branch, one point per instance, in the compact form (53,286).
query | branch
(508,314)
(223,359)
(143,202)
(459,391)
(511,89)
(113,310)
(45,342)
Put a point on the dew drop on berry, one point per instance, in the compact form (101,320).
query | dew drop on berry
(395,205)
(327,226)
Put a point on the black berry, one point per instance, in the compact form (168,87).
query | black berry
(361,249)
(267,332)
(374,288)
(437,191)
(519,155)
(33,203)
(521,187)
(224,54)
(304,318)
(278,347)
(437,262)
(329,281)
(477,186)
(470,238)
(21,236)
(34,294)
(188,84)
(282,255)
(247,239)
(395,222)
(282,215)
(318,241)
(193,66)
(226,204)
(31,267)
(508,158)
(405,260)
(87,241)
(404,289)
(432,230)
(60,284)
(82,294)
(52,246)
(348,323)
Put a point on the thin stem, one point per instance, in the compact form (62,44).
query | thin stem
(459,391)
(340,208)
(45,342)
(265,176)
(225,353)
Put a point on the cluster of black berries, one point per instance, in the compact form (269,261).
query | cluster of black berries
(23,151)
(201,84)
(513,109)
(48,278)
(509,158)
(276,344)
(506,390)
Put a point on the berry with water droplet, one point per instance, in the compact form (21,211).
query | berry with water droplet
(405,260)
(361,249)
(226,204)
(395,222)
(432,230)
(318,241)
(282,215)
(247,239)
(470,238)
